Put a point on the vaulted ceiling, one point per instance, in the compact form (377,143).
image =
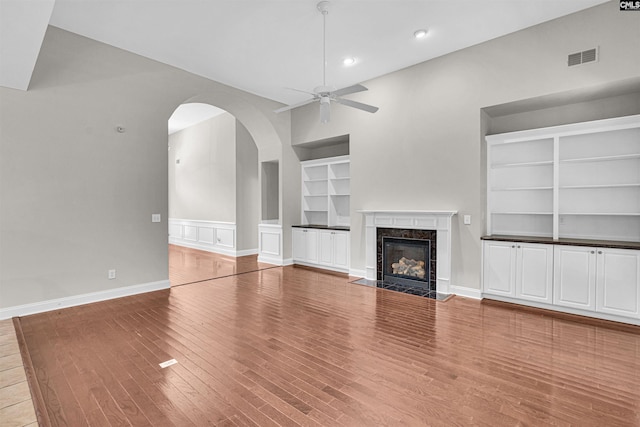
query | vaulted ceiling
(267,46)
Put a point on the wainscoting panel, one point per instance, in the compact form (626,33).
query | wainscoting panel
(270,244)
(211,236)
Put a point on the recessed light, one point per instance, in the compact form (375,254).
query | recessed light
(420,34)
(349,61)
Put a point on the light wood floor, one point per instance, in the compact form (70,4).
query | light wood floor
(16,408)
(292,346)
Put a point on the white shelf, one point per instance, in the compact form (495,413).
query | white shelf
(601,158)
(521,164)
(600,213)
(326,191)
(558,181)
(522,213)
(521,188)
(595,186)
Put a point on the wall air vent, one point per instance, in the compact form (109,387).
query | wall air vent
(583,57)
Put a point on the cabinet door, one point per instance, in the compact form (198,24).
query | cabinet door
(499,268)
(299,244)
(575,277)
(325,247)
(618,282)
(341,249)
(311,245)
(534,272)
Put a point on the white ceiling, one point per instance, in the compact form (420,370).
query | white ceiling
(190,114)
(265,46)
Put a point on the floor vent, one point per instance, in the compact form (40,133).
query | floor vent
(583,57)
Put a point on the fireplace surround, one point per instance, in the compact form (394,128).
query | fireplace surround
(436,222)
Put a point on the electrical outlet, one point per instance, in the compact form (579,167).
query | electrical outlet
(111,274)
(467,219)
(155,217)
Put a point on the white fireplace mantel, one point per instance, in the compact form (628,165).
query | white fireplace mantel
(416,220)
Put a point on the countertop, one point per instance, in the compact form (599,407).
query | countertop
(615,244)
(323,227)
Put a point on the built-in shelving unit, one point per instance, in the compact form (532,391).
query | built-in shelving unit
(572,181)
(326,191)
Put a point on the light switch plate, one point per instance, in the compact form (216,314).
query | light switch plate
(155,217)
(467,219)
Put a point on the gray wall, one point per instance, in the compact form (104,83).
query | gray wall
(203,185)
(270,191)
(426,138)
(247,190)
(76,196)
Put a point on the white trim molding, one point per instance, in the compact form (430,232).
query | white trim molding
(270,243)
(416,220)
(463,291)
(72,301)
(211,236)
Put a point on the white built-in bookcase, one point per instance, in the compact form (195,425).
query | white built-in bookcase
(572,181)
(326,191)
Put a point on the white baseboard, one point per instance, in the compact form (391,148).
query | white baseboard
(357,273)
(72,301)
(288,261)
(465,292)
(246,252)
(270,260)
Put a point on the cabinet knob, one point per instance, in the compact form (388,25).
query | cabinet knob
(600,252)
(593,252)
(513,246)
(518,246)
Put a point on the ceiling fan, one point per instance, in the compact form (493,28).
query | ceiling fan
(326,94)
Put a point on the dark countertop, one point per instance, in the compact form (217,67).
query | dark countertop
(323,227)
(569,242)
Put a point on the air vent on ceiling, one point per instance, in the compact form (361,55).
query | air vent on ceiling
(583,57)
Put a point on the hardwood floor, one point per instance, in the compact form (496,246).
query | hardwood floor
(188,265)
(292,346)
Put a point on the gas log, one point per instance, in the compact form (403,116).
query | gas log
(409,267)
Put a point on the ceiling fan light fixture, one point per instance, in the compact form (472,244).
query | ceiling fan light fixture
(325,94)
(421,33)
(325,109)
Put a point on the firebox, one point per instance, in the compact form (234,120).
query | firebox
(406,261)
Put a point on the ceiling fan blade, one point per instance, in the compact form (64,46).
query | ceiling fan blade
(291,107)
(302,91)
(349,89)
(358,105)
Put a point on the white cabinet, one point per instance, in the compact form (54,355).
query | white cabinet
(499,268)
(326,191)
(305,245)
(321,248)
(618,282)
(333,249)
(520,270)
(575,277)
(579,181)
(598,279)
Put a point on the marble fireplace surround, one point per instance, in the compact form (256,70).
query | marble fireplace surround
(414,220)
